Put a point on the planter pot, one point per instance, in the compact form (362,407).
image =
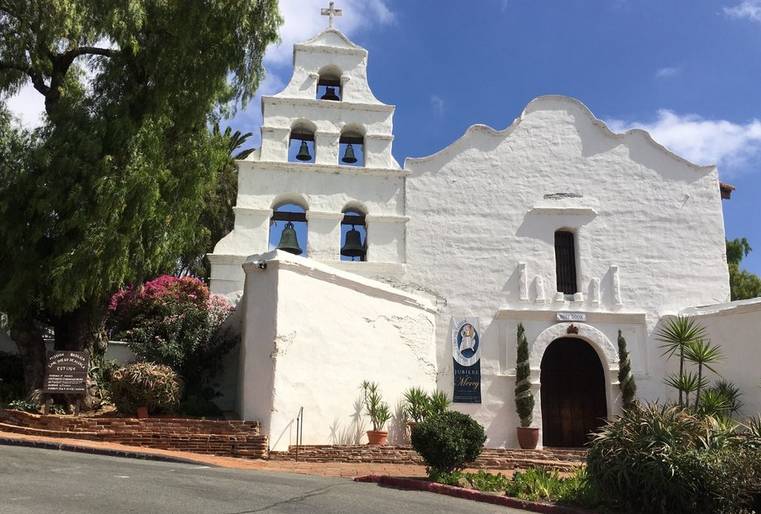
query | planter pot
(142,412)
(528,437)
(377,437)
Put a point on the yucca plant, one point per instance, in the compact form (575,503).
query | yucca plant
(686,383)
(713,403)
(417,404)
(730,392)
(438,403)
(675,335)
(703,354)
(376,408)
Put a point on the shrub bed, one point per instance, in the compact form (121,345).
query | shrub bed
(154,386)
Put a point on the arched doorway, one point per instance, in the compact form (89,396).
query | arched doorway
(572,391)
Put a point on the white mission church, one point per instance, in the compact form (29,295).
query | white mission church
(554,222)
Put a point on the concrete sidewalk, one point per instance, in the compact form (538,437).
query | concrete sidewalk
(325,469)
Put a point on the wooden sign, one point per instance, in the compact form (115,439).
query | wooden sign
(66,372)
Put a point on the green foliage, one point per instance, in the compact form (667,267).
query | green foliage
(524,399)
(416,404)
(742,283)
(659,459)
(146,384)
(537,484)
(111,188)
(448,441)
(675,336)
(625,375)
(217,217)
(731,395)
(24,405)
(439,403)
(480,480)
(375,407)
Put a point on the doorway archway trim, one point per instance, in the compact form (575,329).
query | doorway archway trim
(605,349)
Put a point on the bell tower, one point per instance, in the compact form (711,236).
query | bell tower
(325,158)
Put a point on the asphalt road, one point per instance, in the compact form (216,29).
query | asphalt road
(51,481)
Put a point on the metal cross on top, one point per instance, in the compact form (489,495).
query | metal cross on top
(330,12)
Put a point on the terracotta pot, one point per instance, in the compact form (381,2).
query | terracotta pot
(377,437)
(528,437)
(142,412)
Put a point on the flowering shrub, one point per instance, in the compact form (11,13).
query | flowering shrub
(176,322)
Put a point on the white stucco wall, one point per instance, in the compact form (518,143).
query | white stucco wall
(313,334)
(482,217)
(736,327)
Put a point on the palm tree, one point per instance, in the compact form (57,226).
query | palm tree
(675,336)
(701,352)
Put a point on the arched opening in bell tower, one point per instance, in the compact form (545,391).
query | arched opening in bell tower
(353,235)
(351,147)
(301,147)
(288,228)
(329,84)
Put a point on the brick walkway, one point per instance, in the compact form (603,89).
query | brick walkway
(331,469)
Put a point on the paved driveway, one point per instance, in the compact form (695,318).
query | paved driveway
(50,481)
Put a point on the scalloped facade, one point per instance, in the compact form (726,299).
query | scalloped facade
(470,230)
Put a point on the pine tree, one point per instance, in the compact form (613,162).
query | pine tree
(524,398)
(625,376)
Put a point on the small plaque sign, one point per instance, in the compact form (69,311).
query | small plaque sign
(67,372)
(571,316)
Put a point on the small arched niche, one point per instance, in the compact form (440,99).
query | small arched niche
(301,147)
(329,84)
(288,228)
(353,235)
(351,147)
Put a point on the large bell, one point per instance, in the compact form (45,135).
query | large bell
(288,240)
(303,154)
(349,156)
(353,246)
(330,94)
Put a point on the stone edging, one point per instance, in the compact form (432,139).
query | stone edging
(414,484)
(109,452)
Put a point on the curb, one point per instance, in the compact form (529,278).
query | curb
(414,484)
(109,452)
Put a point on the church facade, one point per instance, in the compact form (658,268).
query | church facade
(419,275)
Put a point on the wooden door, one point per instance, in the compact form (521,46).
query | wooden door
(572,393)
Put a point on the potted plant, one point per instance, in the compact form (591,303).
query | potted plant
(417,405)
(378,411)
(528,436)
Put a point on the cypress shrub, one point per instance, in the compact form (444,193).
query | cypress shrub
(524,399)
(625,376)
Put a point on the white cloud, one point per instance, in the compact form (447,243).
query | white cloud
(667,72)
(748,9)
(302,20)
(437,104)
(729,145)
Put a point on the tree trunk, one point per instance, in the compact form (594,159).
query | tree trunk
(83,329)
(31,347)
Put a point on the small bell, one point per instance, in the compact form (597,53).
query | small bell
(303,154)
(330,94)
(288,240)
(353,246)
(349,157)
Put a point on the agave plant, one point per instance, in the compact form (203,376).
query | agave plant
(675,336)
(703,354)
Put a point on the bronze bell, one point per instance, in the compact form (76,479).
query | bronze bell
(303,154)
(288,240)
(349,156)
(353,246)
(330,94)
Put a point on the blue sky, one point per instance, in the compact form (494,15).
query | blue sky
(689,71)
